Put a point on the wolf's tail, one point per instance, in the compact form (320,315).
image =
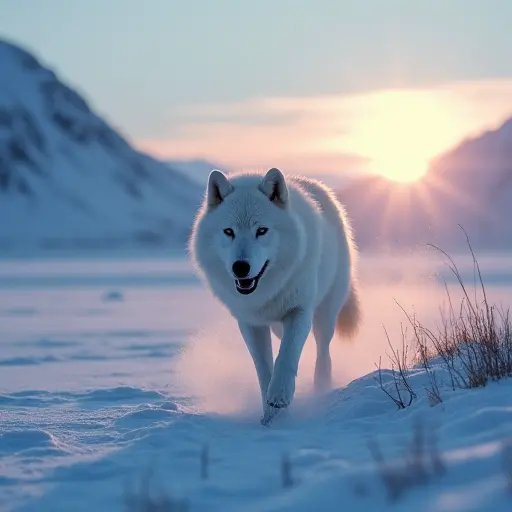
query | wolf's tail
(349,317)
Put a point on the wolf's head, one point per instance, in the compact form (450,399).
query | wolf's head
(246,238)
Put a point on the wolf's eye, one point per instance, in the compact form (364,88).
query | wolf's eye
(229,232)
(261,231)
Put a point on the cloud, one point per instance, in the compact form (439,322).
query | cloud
(333,133)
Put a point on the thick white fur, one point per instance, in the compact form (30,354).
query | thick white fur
(309,282)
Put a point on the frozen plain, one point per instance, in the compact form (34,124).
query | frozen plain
(112,367)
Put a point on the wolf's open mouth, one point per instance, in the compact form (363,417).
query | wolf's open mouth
(248,285)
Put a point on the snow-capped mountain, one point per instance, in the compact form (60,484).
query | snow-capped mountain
(68,179)
(470,185)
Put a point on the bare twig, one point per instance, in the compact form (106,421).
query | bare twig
(474,342)
(286,472)
(145,499)
(205,462)
(400,372)
(506,462)
(419,463)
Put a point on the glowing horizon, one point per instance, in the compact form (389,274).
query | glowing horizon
(393,133)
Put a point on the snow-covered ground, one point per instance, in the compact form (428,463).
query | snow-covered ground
(112,367)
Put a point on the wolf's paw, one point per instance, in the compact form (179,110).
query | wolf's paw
(279,403)
(273,415)
(280,390)
(269,415)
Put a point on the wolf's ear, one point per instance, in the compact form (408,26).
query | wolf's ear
(218,188)
(274,187)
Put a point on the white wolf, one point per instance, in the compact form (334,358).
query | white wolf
(279,254)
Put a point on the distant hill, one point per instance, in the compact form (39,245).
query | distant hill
(68,179)
(197,170)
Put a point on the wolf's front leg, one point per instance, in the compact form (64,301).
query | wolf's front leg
(296,326)
(258,341)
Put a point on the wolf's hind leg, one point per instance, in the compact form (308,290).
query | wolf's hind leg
(324,327)
(323,330)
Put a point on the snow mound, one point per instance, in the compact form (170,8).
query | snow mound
(448,457)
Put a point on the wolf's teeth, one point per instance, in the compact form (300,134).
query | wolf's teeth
(249,286)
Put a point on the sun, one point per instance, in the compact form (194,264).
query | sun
(399,132)
(400,168)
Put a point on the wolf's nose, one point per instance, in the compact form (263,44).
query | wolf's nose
(241,269)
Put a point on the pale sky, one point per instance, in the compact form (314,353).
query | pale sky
(306,84)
